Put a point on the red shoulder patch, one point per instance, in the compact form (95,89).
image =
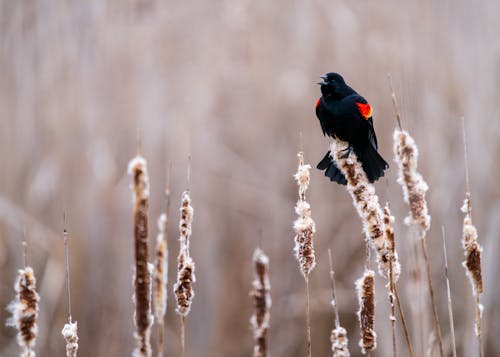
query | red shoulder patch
(364,109)
(318,102)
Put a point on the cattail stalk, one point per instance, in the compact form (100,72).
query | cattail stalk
(183,288)
(414,189)
(142,274)
(24,311)
(304,228)
(161,274)
(366,314)
(338,337)
(261,294)
(70,329)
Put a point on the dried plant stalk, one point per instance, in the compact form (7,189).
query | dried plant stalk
(161,277)
(366,202)
(304,226)
(24,311)
(261,294)
(183,289)
(366,314)
(142,277)
(414,189)
(472,264)
(70,334)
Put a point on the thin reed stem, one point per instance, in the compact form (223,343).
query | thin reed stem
(403,320)
(308,318)
(448,292)
(183,335)
(431,292)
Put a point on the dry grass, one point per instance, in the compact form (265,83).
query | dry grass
(261,302)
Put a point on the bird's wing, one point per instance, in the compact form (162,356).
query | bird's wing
(365,110)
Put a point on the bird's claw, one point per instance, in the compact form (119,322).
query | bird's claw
(346,152)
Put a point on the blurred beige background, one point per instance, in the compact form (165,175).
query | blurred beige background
(233,83)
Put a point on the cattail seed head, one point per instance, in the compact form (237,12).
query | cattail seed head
(339,342)
(365,200)
(262,302)
(366,314)
(304,225)
(24,311)
(412,182)
(183,288)
(161,269)
(142,273)
(391,243)
(70,334)
(472,250)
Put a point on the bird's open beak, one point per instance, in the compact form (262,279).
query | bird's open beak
(324,83)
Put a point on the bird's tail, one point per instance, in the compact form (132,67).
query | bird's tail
(373,164)
(331,169)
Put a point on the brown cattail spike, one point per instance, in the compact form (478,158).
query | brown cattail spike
(304,226)
(183,289)
(24,311)
(366,202)
(70,334)
(262,303)
(472,249)
(142,278)
(160,277)
(366,296)
(412,182)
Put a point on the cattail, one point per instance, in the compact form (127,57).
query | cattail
(304,225)
(161,276)
(262,303)
(472,250)
(183,289)
(366,202)
(472,264)
(412,182)
(70,334)
(24,311)
(414,189)
(366,314)
(339,342)
(142,274)
(391,244)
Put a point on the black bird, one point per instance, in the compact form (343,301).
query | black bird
(346,115)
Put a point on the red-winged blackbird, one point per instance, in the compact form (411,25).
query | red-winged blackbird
(346,115)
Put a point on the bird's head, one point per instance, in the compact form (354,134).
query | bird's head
(332,84)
